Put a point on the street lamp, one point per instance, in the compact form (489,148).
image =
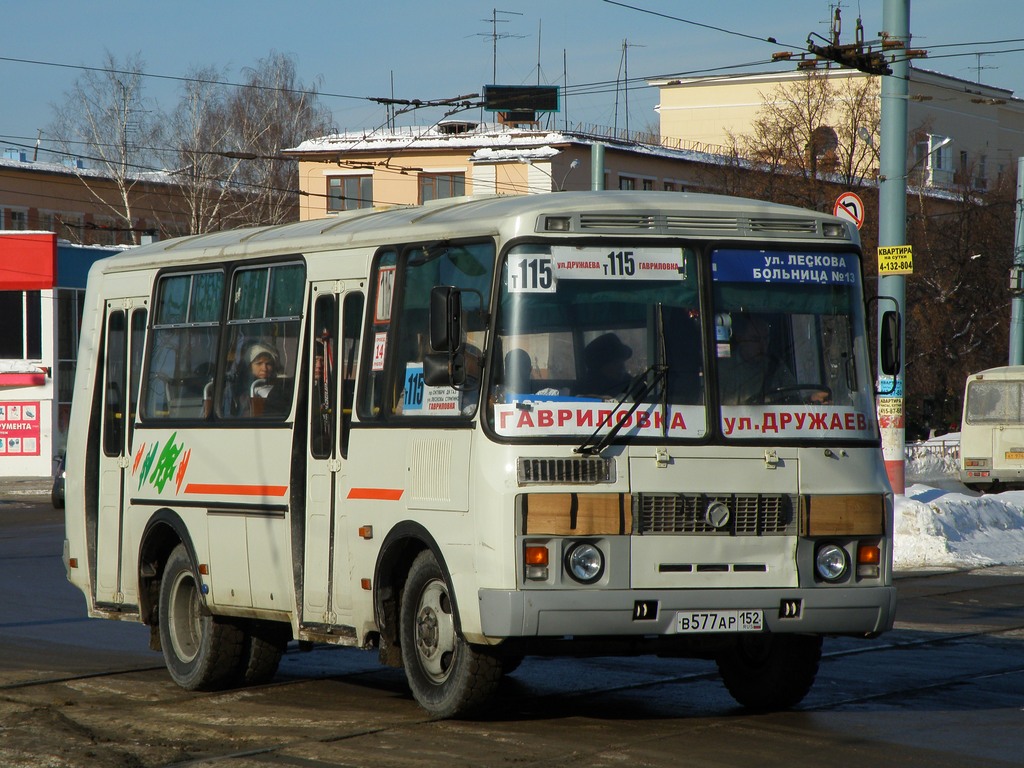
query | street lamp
(558,186)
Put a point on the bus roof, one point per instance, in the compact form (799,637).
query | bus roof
(1000,373)
(604,212)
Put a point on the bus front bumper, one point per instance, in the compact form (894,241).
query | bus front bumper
(560,613)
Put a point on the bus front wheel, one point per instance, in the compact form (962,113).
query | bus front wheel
(447,675)
(200,650)
(770,672)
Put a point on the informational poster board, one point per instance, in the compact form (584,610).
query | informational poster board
(19,429)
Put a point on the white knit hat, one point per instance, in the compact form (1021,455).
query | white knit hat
(259,349)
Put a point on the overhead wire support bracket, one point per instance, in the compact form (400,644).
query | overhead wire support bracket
(855,56)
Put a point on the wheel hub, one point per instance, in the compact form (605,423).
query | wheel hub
(427,631)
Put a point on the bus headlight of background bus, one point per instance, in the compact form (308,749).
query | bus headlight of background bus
(584,562)
(831,562)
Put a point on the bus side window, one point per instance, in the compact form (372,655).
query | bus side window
(114,401)
(323,404)
(263,341)
(137,339)
(183,340)
(351,330)
(372,395)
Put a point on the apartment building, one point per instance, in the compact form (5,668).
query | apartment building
(413,165)
(962,133)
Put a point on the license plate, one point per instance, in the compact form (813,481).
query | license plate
(1014,455)
(720,621)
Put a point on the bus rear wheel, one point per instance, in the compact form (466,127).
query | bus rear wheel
(447,675)
(201,651)
(263,644)
(770,672)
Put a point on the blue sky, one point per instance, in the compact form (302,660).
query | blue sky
(443,48)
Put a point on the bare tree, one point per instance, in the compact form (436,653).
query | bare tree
(857,124)
(105,117)
(958,301)
(816,128)
(200,139)
(272,111)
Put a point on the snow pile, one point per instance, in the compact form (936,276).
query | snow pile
(942,524)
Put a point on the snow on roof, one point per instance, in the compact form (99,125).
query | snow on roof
(39,166)
(491,141)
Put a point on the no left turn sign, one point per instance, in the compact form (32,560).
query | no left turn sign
(850,206)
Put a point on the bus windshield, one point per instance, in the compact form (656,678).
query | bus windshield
(788,359)
(579,329)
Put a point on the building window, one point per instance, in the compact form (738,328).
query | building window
(437,186)
(649,184)
(21,318)
(19,220)
(627,182)
(346,193)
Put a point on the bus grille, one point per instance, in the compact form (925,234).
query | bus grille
(788,226)
(749,515)
(572,471)
(668,224)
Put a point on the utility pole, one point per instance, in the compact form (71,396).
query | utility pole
(892,194)
(1017,276)
(892,228)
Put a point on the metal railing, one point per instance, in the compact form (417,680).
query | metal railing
(939,448)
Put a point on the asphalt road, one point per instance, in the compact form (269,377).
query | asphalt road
(946,688)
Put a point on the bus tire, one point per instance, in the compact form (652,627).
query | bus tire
(262,648)
(201,651)
(447,675)
(770,672)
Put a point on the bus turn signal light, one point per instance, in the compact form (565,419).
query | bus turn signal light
(535,557)
(869,560)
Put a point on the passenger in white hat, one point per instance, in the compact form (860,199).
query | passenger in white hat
(265,395)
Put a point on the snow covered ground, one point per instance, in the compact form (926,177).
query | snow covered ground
(942,524)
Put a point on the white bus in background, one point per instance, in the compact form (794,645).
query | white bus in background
(992,430)
(609,422)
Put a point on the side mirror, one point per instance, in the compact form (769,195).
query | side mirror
(445,318)
(890,351)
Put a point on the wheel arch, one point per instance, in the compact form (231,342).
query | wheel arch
(164,531)
(401,546)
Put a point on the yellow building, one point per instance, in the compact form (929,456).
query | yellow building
(961,133)
(413,165)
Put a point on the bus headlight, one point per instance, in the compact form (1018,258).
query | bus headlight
(584,562)
(831,562)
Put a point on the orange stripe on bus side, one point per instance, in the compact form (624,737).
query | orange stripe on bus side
(380,494)
(218,489)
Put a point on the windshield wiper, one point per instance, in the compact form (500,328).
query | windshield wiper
(638,389)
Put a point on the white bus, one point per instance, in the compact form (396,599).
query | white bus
(601,423)
(992,430)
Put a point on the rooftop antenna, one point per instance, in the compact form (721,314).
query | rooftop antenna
(978,67)
(495,35)
(624,69)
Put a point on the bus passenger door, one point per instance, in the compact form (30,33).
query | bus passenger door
(124,334)
(333,347)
